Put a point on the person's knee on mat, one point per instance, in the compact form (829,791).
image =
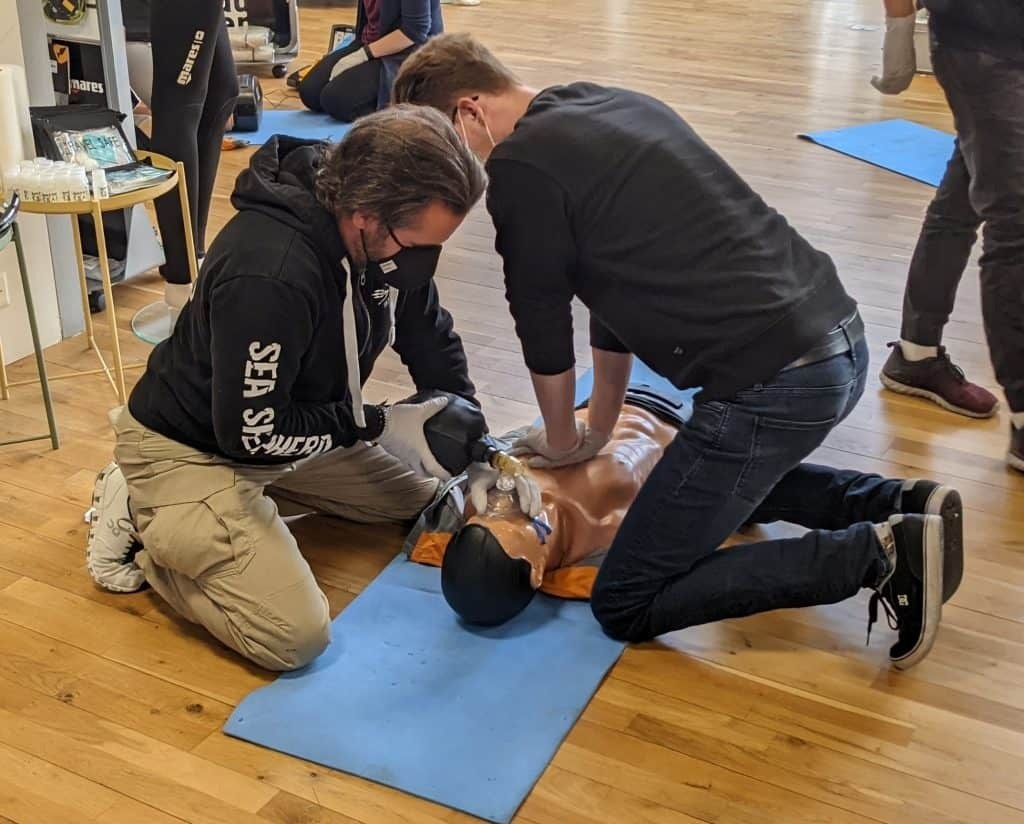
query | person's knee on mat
(305,635)
(623,623)
(309,94)
(339,106)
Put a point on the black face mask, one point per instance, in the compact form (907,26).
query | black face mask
(411,268)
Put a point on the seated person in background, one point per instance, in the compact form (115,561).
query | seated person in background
(356,80)
(494,558)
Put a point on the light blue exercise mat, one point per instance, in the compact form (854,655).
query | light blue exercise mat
(294,123)
(909,149)
(408,696)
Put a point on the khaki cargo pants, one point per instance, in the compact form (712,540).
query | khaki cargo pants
(216,549)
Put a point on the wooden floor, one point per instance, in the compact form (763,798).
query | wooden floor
(111,708)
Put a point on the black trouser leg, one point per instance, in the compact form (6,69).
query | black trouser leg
(220,103)
(186,41)
(949,230)
(353,93)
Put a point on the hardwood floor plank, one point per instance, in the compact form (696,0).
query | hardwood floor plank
(129,811)
(26,776)
(126,761)
(63,616)
(108,690)
(362,800)
(562,797)
(285,808)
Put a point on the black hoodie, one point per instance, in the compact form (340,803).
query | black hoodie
(256,368)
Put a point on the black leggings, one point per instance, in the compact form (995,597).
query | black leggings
(194,93)
(350,95)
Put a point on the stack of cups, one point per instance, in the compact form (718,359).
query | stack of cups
(46,181)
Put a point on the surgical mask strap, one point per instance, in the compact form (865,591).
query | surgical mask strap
(465,135)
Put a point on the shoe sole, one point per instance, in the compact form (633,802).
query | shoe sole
(932,589)
(945,502)
(100,487)
(934,397)
(1015,461)
(98,490)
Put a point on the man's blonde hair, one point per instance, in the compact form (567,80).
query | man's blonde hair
(448,67)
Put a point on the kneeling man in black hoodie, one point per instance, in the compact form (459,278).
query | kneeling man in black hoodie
(256,394)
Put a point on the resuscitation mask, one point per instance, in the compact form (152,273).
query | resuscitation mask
(411,268)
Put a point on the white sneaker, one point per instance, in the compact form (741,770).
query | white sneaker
(113,541)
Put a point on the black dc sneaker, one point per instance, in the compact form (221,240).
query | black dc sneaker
(910,591)
(931,498)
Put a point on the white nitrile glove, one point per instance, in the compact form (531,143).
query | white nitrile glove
(404,438)
(354,58)
(541,456)
(899,60)
(483,477)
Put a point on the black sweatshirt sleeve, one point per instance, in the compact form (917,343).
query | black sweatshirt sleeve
(535,241)
(426,341)
(602,338)
(260,330)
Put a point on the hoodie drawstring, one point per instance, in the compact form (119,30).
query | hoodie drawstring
(348,321)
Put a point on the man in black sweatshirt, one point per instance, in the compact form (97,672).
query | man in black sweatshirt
(608,196)
(977,51)
(258,390)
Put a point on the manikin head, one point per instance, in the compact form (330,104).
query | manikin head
(481,581)
(400,180)
(458,76)
(496,561)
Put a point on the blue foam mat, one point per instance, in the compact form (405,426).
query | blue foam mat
(294,123)
(900,146)
(408,696)
(641,375)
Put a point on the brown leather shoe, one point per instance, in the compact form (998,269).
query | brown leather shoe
(939,380)
(1015,454)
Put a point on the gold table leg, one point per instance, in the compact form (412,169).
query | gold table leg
(108,291)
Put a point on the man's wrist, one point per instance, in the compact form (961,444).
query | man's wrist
(376,422)
(563,438)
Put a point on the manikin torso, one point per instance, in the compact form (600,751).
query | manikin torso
(584,504)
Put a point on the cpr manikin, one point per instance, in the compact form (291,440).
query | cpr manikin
(496,560)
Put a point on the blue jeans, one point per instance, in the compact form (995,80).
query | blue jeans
(736,462)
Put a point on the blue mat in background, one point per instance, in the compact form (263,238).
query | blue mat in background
(408,696)
(909,149)
(640,376)
(294,123)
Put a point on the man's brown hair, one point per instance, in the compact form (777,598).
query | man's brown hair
(448,67)
(394,163)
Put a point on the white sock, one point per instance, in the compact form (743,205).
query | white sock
(176,295)
(916,352)
(1017,418)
